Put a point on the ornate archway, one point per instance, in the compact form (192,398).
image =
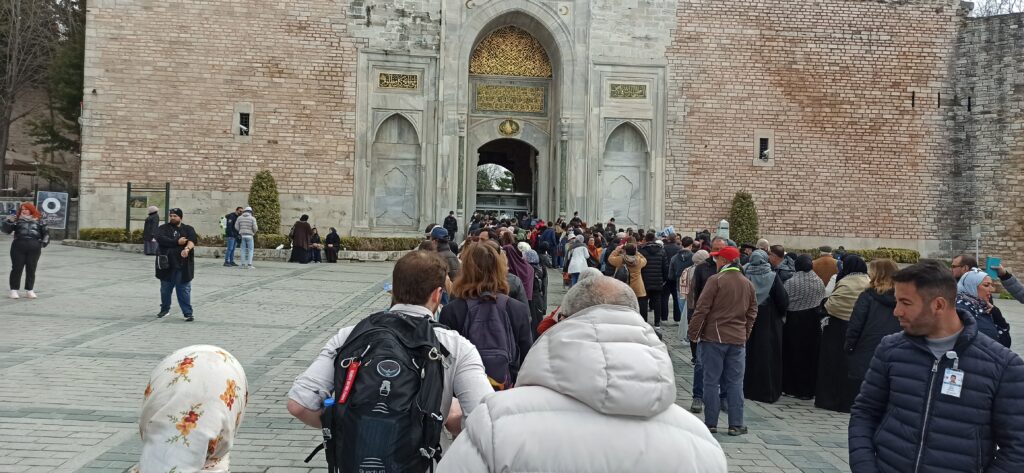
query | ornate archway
(510,88)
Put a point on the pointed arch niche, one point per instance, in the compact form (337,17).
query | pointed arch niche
(394,174)
(624,176)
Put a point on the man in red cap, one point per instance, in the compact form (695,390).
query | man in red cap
(720,326)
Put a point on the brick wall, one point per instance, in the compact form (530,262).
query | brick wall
(834,80)
(162,81)
(989,138)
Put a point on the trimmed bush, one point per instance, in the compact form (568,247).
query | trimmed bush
(899,255)
(379,244)
(109,235)
(743,219)
(265,202)
(270,241)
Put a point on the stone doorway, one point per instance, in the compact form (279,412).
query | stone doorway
(514,193)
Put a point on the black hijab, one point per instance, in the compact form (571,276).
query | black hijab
(852,264)
(804,263)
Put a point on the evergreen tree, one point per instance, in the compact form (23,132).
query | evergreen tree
(743,219)
(265,202)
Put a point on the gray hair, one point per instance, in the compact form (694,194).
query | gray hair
(598,290)
(762,244)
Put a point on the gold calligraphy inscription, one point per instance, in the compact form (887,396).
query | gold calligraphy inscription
(510,51)
(508,98)
(398,81)
(628,91)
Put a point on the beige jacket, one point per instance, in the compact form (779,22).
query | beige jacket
(634,264)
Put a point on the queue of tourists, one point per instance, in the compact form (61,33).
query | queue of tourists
(467,371)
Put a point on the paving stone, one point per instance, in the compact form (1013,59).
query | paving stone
(71,388)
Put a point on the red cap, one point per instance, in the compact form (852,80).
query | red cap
(730,253)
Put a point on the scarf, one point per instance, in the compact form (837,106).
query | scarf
(193,406)
(531,257)
(806,291)
(970,281)
(517,265)
(760,273)
(595,252)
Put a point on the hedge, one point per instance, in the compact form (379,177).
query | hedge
(899,255)
(267,241)
(265,202)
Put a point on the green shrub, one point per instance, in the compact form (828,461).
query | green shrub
(379,244)
(270,241)
(211,240)
(265,202)
(743,219)
(1006,296)
(899,255)
(109,235)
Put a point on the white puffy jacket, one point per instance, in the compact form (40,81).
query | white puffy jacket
(595,394)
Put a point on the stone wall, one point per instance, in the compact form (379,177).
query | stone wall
(848,89)
(164,83)
(989,138)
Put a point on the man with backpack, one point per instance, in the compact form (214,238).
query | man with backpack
(367,383)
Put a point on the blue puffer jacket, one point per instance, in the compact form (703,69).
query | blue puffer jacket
(900,401)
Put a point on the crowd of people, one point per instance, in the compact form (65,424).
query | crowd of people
(467,357)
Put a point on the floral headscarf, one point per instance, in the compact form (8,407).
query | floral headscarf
(193,406)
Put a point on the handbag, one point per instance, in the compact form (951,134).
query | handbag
(162,262)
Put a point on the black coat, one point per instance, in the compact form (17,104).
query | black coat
(230,231)
(700,278)
(871,321)
(656,272)
(679,263)
(149,228)
(900,399)
(451,224)
(167,236)
(454,314)
(762,379)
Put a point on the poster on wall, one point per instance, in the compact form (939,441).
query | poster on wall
(54,208)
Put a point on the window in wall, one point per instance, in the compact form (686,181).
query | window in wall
(763,147)
(243,124)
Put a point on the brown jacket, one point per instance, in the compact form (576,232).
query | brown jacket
(634,264)
(825,266)
(726,310)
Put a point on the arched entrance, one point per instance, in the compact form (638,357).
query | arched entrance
(511,79)
(514,194)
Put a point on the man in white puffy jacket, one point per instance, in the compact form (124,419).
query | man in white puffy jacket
(596,394)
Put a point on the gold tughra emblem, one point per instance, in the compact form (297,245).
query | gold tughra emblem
(509,128)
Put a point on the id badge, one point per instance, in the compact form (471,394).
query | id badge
(952,382)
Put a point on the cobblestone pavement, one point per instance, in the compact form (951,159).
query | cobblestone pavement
(74,363)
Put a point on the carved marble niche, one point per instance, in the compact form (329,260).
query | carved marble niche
(394,174)
(624,177)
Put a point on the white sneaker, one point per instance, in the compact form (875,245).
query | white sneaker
(32,294)
(252,267)
(13,294)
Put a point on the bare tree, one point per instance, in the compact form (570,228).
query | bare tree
(28,30)
(996,7)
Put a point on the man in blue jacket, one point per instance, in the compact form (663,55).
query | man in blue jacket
(938,396)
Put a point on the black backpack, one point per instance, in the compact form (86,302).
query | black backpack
(622,273)
(488,328)
(388,382)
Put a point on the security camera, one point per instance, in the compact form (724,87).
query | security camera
(243,127)
(765,155)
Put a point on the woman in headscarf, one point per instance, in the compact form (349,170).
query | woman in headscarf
(593,249)
(332,244)
(576,260)
(539,303)
(801,335)
(300,234)
(762,380)
(974,295)
(872,318)
(835,390)
(315,243)
(516,263)
(192,408)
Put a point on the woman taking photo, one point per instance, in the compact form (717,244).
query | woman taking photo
(482,311)
(30,237)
